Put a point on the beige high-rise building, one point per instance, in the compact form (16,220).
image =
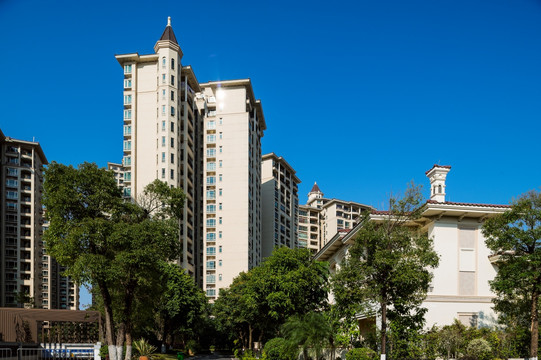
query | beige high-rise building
(232,221)
(279,192)
(321,218)
(161,124)
(26,271)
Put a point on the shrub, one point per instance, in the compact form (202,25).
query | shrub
(143,348)
(479,349)
(279,349)
(104,351)
(361,354)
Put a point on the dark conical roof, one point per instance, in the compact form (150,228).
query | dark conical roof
(168,33)
(315,188)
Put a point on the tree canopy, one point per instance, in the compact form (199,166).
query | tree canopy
(285,284)
(388,265)
(114,245)
(516,237)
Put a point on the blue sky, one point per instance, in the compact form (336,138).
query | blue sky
(360,96)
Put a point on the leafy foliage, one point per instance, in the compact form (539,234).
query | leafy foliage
(311,332)
(259,301)
(361,354)
(279,349)
(388,267)
(516,237)
(143,348)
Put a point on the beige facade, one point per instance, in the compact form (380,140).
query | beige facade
(279,193)
(321,218)
(161,123)
(460,288)
(232,213)
(25,267)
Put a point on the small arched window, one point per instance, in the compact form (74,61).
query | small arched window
(164,62)
(439,189)
(172,64)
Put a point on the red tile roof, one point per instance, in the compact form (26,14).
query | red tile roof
(437,166)
(468,204)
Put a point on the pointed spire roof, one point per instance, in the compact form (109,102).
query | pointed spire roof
(315,188)
(168,33)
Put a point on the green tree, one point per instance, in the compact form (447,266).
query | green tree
(289,282)
(115,246)
(181,305)
(311,332)
(388,263)
(516,236)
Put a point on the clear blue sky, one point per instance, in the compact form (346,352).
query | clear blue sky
(360,96)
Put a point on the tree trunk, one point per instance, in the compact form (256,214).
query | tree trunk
(534,325)
(120,335)
(128,346)
(383,329)
(108,319)
(250,332)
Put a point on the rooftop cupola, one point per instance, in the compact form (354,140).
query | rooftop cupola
(437,176)
(168,38)
(315,193)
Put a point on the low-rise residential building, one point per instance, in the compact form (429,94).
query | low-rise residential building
(460,288)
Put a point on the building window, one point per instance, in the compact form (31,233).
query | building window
(221,136)
(211,292)
(220,234)
(126,161)
(211,264)
(211,139)
(172,158)
(220,248)
(172,142)
(211,237)
(163,94)
(220,163)
(127,83)
(220,177)
(127,99)
(173,80)
(172,111)
(172,64)
(211,152)
(172,174)
(220,206)
(220,192)
(211,180)
(163,173)
(163,125)
(127,69)
(127,130)
(163,110)
(163,157)
(163,78)
(220,277)
(220,262)
(127,176)
(163,141)
(221,121)
(211,223)
(172,95)
(211,166)
(172,126)
(12,195)
(220,220)
(211,209)
(164,62)
(211,125)
(127,114)
(127,145)
(12,172)
(220,149)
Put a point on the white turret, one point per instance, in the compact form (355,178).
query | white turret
(437,176)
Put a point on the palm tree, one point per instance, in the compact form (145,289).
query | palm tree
(311,332)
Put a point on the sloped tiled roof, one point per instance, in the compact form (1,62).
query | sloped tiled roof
(437,166)
(315,188)
(168,34)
